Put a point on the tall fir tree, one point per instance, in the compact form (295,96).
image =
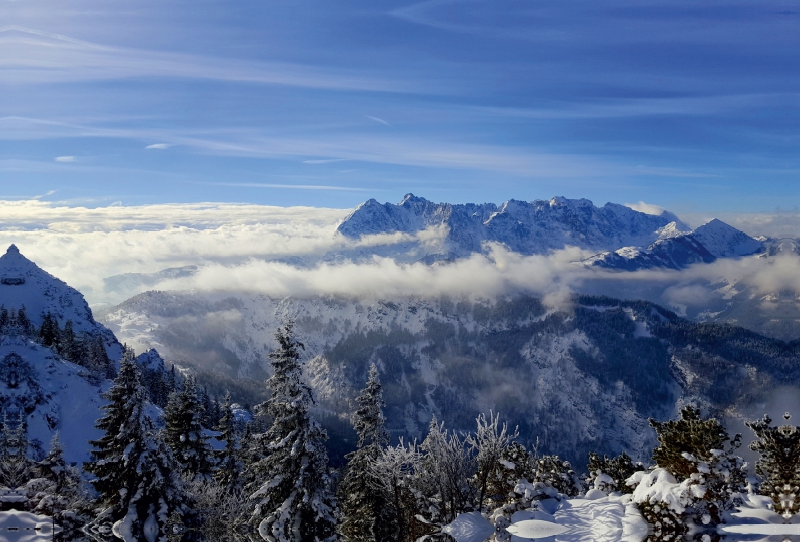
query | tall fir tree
(136,476)
(291,493)
(183,432)
(367,516)
(229,467)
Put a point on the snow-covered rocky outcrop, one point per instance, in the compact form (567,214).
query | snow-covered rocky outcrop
(535,227)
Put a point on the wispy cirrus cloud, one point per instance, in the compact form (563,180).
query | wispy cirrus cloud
(388,149)
(291,186)
(28,55)
(378,120)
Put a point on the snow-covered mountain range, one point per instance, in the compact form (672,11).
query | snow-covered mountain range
(623,238)
(584,377)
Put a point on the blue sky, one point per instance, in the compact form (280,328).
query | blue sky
(693,106)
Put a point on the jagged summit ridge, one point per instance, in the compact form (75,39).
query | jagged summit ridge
(535,227)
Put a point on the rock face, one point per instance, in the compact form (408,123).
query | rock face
(535,227)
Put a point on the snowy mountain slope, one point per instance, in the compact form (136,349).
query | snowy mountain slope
(525,227)
(22,282)
(725,241)
(677,250)
(585,378)
(55,395)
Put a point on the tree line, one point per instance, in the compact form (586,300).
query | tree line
(159,477)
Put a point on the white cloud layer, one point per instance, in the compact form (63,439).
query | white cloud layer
(281,251)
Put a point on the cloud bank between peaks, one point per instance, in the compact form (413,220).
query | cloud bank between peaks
(295,251)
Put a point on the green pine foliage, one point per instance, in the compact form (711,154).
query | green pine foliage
(701,457)
(618,469)
(291,492)
(690,434)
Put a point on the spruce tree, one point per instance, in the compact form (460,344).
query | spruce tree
(183,431)
(49,332)
(136,478)
(367,515)
(229,467)
(69,346)
(291,494)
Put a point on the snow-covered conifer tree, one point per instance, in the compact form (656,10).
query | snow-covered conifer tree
(58,486)
(136,480)
(183,431)
(610,474)
(696,467)
(367,514)
(291,493)
(229,467)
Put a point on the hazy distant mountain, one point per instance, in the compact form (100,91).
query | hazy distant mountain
(705,244)
(131,283)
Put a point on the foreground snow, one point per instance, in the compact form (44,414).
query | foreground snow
(16,526)
(601,519)
(615,518)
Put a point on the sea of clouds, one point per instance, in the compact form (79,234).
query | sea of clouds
(287,251)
